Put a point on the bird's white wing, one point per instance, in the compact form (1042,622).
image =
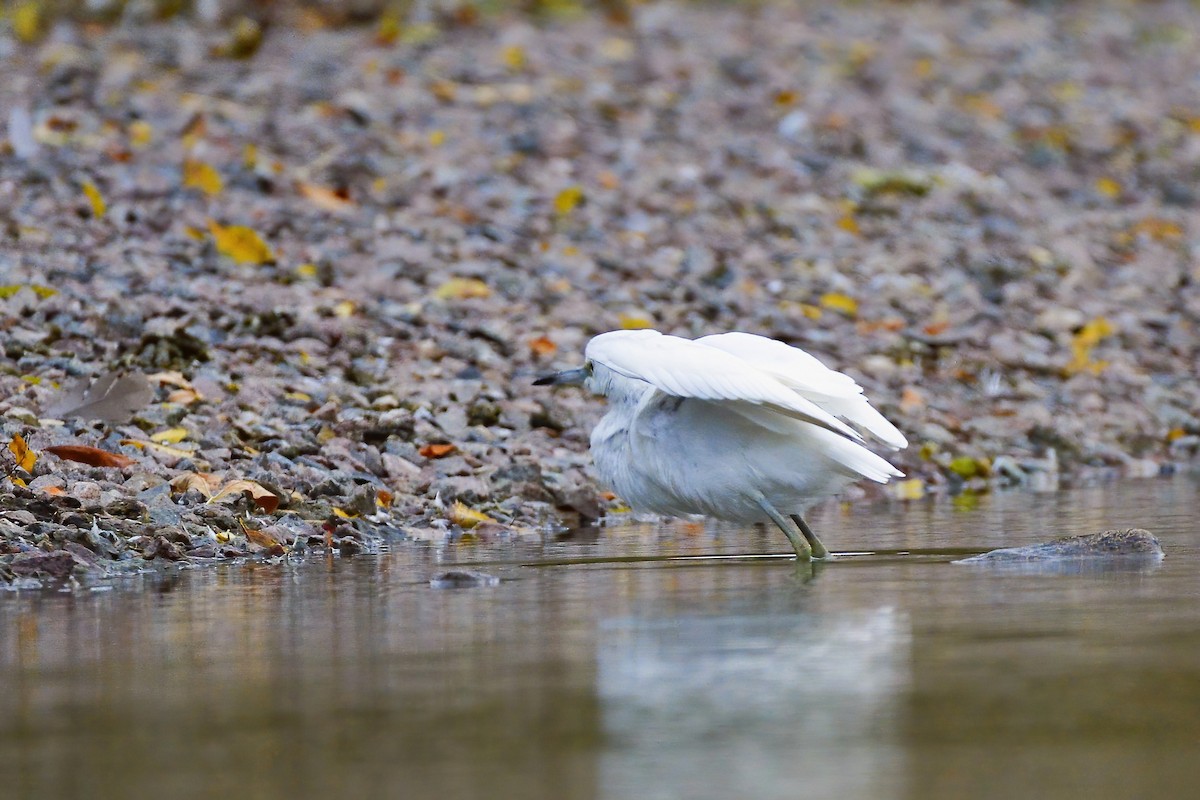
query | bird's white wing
(835,392)
(684,368)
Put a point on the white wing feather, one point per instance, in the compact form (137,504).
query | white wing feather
(685,368)
(835,392)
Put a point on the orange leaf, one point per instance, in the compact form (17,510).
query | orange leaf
(437,450)
(92,456)
(203,482)
(542,346)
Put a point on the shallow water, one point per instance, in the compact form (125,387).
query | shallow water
(626,663)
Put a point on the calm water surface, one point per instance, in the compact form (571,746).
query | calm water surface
(611,665)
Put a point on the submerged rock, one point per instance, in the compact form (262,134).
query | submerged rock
(1105,545)
(462,579)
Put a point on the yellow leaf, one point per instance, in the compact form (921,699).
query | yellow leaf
(240,243)
(198,175)
(634,320)
(345,309)
(24,457)
(250,156)
(437,138)
(810,311)
(466,517)
(27,21)
(342,513)
(169,436)
(566,201)
(911,489)
(461,289)
(1082,343)
(177,452)
(848,224)
(95,199)
(843,304)
(307,271)
(140,133)
(1108,187)
(41,291)
(513,57)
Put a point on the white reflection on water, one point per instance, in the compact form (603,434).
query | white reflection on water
(761,706)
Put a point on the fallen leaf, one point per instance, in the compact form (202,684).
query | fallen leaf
(140,133)
(1084,341)
(203,482)
(94,199)
(342,513)
(26,21)
(169,436)
(911,489)
(461,289)
(513,57)
(92,456)
(324,198)
(171,378)
(202,176)
(184,397)
(466,517)
(542,346)
(22,455)
(843,304)
(384,498)
(111,398)
(437,450)
(634,320)
(241,244)
(177,452)
(262,538)
(1108,187)
(567,200)
(41,291)
(266,500)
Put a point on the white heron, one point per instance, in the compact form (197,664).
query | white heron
(734,426)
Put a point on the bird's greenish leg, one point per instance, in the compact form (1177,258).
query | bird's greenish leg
(795,536)
(818,549)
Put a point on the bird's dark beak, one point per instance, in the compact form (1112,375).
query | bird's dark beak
(570,376)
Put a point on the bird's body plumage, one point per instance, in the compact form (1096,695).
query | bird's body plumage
(733,426)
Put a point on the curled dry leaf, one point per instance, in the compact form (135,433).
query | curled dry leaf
(266,500)
(542,346)
(92,456)
(324,198)
(203,482)
(169,436)
(112,398)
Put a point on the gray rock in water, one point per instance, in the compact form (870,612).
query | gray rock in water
(1134,542)
(462,579)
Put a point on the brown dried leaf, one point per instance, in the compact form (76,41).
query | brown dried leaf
(92,456)
(266,500)
(324,198)
(437,450)
(203,482)
(112,398)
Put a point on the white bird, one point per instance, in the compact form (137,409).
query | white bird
(734,426)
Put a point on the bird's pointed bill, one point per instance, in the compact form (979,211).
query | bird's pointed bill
(566,377)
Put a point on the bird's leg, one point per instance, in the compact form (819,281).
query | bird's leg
(818,549)
(793,533)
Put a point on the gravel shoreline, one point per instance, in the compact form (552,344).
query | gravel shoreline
(987,215)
